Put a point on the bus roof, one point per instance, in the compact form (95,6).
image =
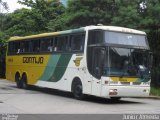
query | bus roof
(47,34)
(82,29)
(116,29)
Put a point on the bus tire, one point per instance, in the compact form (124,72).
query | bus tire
(18,81)
(24,82)
(77,89)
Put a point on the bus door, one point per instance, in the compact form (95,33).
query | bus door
(98,55)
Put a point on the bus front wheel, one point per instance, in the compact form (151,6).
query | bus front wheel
(77,90)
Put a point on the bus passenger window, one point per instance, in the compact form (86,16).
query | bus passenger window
(26,46)
(62,43)
(95,37)
(36,45)
(54,44)
(30,46)
(22,47)
(43,46)
(49,45)
(50,49)
(46,45)
(77,42)
(11,48)
(17,47)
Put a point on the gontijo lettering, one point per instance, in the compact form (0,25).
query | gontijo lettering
(34,60)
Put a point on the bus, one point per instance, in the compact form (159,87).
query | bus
(104,61)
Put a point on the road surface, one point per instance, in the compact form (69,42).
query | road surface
(47,101)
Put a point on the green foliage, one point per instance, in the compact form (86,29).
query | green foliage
(2,20)
(155,91)
(31,21)
(152,15)
(89,12)
(3,43)
(43,11)
(128,14)
(59,23)
(22,22)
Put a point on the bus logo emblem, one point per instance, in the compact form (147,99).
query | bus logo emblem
(77,61)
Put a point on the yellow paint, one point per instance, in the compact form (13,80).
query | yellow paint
(77,61)
(33,70)
(124,79)
(34,36)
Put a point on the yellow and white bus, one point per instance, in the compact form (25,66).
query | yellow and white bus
(104,61)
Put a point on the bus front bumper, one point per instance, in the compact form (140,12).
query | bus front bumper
(125,91)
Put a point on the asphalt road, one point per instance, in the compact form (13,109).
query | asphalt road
(47,101)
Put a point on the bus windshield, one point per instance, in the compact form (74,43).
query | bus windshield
(127,62)
(127,54)
(128,39)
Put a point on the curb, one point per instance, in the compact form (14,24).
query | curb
(154,97)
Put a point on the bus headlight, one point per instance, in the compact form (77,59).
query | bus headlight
(113,92)
(146,90)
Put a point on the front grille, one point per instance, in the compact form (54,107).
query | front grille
(136,83)
(125,83)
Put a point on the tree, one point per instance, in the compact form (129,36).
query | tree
(128,14)
(89,12)
(3,5)
(151,24)
(3,36)
(43,11)
(59,23)
(23,22)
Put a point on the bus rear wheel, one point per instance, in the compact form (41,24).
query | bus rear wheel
(24,82)
(17,80)
(77,90)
